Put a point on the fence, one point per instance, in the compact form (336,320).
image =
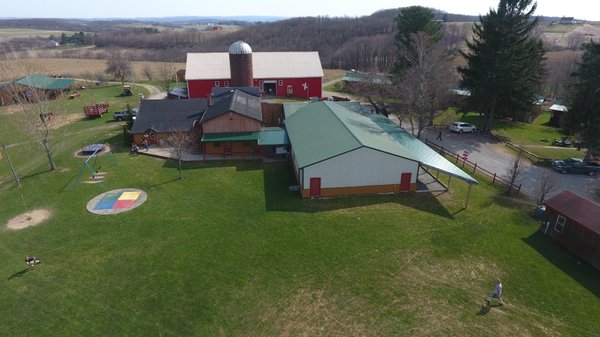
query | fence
(529,155)
(465,162)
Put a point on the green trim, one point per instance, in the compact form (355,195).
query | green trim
(230,137)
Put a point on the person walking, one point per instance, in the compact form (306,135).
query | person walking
(439,136)
(497,294)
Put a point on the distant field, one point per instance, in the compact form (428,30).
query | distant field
(183,28)
(559,28)
(80,67)
(9,33)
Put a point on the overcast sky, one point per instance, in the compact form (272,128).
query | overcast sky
(581,9)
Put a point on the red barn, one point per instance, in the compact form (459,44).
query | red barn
(297,74)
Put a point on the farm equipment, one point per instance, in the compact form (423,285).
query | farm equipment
(127,91)
(95,110)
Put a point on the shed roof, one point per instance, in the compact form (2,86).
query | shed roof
(358,76)
(581,210)
(266,65)
(271,136)
(323,130)
(44,82)
(168,115)
(237,101)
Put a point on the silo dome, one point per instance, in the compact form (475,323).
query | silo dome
(240,48)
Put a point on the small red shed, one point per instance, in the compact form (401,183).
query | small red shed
(574,223)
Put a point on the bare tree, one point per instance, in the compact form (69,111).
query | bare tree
(179,141)
(514,172)
(376,89)
(32,104)
(147,71)
(546,185)
(166,73)
(425,86)
(118,65)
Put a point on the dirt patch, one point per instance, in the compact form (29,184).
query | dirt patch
(60,121)
(10,109)
(29,219)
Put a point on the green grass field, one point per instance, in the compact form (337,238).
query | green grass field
(230,251)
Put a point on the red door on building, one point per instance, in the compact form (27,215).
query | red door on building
(405,182)
(227,147)
(315,187)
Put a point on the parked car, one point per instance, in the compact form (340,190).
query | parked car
(576,165)
(461,127)
(122,115)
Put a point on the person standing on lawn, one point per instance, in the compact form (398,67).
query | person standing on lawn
(497,294)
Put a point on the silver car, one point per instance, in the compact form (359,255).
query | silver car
(461,127)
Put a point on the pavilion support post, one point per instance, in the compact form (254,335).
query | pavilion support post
(468,196)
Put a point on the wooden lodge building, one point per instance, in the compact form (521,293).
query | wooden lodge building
(574,223)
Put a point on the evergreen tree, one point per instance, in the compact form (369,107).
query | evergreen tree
(505,64)
(583,117)
(413,20)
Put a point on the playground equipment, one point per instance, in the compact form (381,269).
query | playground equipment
(95,150)
(95,110)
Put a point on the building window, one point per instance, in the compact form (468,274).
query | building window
(560,224)
(260,83)
(217,84)
(217,144)
(225,83)
(280,83)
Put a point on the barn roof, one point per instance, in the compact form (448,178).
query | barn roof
(271,136)
(323,130)
(44,82)
(168,115)
(579,209)
(237,101)
(266,65)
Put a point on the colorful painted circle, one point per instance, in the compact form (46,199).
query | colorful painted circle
(117,201)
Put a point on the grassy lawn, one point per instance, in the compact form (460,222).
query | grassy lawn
(231,251)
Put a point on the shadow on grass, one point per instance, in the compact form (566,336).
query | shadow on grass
(278,197)
(240,165)
(20,273)
(583,273)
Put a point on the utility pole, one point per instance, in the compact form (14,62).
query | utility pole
(12,168)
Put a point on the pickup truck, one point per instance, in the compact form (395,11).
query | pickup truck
(122,115)
(575,165)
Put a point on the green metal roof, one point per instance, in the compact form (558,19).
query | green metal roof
(421,152)
(290,108)
(273,136)
(230,137)
(356,76)
(323,130)
(46,83)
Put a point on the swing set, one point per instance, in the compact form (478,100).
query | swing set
(93,159)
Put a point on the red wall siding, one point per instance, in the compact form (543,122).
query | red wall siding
(575,238)
(315,86)
(201,88)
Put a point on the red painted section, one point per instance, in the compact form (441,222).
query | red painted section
(202,88)
(315,187)
(314,86)
(405,182)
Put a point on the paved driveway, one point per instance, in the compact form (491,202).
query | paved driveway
(494,156)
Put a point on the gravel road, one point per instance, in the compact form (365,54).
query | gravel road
(495,156)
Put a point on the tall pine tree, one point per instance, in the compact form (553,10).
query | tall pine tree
(413,20)
(583,117)
(505,64)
